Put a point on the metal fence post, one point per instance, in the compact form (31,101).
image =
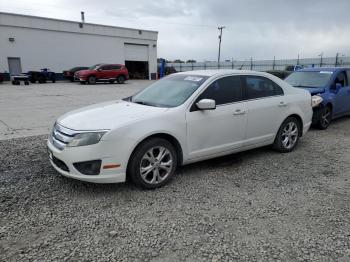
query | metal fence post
(273,63)
(251,63)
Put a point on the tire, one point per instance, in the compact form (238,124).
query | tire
(82,82)
(147,159)
(121,79)
(111,81)
(325,118)
(288,135)
(26,83)
(53,80)
(33,81)
(91,80)
(71,79)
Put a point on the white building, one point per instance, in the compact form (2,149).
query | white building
(31,43)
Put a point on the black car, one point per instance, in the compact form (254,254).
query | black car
(69,74)
(41,76)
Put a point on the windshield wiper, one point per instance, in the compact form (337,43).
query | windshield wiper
(143,103)
(303,86)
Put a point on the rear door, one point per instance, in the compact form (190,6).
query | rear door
(266,106)
(115,72)
(211,132)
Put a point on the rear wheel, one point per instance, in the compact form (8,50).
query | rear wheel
(92,80)
(325,118)
(288,135)
(153,163)
(121,79)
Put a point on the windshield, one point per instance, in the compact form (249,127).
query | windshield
(171,91)
(94,67)
(309,78)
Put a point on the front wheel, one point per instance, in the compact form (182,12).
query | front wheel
(325,118)
(288,135)
(153,163)
(92,80)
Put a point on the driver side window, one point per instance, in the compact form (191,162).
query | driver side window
(225,90)
(342,79)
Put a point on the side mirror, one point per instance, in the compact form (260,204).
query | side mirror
(206,104)
(99,69)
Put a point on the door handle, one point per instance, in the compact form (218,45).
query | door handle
(239,112)
(282,104)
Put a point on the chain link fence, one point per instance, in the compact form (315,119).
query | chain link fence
(263,65)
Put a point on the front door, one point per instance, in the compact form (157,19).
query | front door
(211,132)
(14,65)
(341,101)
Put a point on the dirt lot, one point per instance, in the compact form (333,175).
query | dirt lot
(254,206)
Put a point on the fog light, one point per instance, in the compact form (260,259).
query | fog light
(89,168)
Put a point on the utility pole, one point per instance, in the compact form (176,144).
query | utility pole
(336,59)
(220,38)
(321,59)
(298,60)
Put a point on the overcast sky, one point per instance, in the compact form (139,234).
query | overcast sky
(188,29)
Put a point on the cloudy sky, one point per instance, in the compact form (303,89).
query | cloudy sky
(188,29)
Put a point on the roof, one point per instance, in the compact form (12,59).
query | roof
(52,24)
(331,69)
(218,72)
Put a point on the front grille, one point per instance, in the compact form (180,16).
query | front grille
(61,136)
(60,164)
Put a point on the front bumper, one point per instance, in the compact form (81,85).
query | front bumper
(63,161)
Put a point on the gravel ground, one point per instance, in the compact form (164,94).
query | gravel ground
(254,206)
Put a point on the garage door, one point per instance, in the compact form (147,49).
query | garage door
(136,52)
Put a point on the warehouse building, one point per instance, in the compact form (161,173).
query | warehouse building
(31,43)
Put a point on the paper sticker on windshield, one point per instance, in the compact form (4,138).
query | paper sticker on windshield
(326,72)
(193,78)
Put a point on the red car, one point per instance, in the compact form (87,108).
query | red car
(103,73)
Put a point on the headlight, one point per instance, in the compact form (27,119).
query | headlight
(316,100)
(84,139)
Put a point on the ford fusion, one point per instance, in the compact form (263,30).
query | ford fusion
(181,119)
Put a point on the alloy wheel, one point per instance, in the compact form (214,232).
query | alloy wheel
(290,135)
(156,165)
(326,117)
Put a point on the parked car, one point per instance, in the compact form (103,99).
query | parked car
(180,119)
(332,85)
(1,78)
(103,73)
(41,76)
(286,72)
(69,74)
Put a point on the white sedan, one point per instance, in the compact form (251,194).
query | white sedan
(181,119)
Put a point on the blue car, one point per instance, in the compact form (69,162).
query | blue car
(332,85)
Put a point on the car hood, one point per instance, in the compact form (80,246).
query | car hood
(107,115)
(314,90)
